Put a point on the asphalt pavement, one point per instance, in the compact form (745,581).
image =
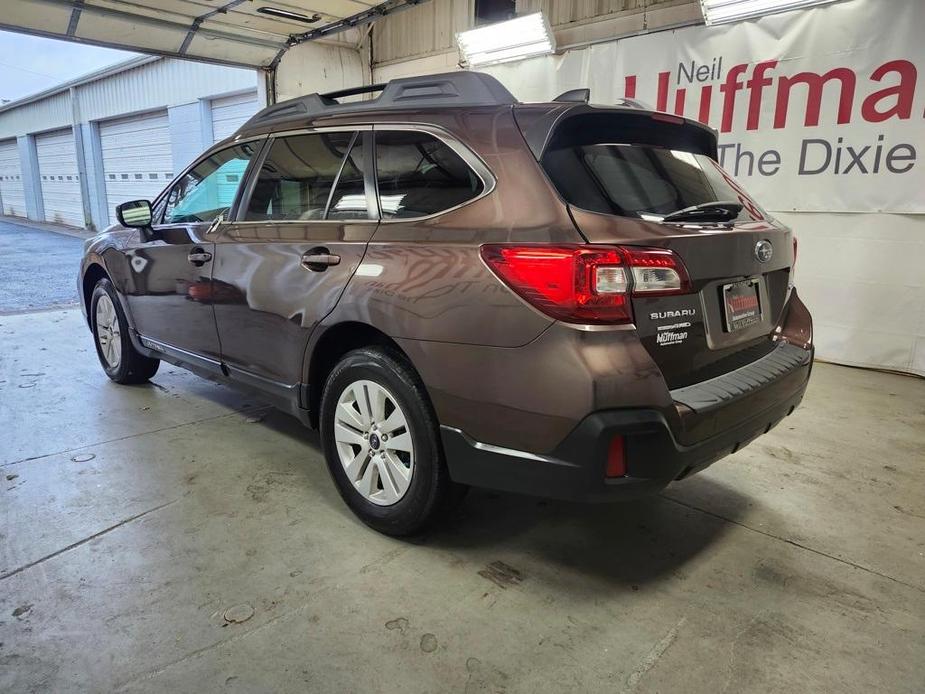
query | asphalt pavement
(38,268)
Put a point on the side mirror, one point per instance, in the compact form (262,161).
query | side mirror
(136,213)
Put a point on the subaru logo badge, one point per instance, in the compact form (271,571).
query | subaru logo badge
(763,251)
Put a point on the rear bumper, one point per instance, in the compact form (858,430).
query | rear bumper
(656,453)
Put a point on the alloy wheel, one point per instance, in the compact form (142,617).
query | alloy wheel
(108,334)
(373,442)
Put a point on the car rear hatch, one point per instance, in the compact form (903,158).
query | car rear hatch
(637,179)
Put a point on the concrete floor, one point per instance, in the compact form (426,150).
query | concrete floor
(182,537)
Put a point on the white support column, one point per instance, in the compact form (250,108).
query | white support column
(205,122)
(31,181)
(96,182)
(186,133)
(82,171)
(264,88)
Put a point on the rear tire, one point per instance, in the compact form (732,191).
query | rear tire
(118,356)
(382,443)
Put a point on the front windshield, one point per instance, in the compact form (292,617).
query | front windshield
(644,181)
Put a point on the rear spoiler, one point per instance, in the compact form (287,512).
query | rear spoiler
(542,124)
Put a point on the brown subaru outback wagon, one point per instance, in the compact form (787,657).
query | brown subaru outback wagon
(560,299)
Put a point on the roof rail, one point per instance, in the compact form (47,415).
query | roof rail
(447,90)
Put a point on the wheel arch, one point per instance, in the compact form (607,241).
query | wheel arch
(333,344)
(93,273)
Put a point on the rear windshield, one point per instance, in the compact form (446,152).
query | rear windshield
(642,180)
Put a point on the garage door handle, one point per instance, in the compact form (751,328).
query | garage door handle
(319,261)
(199,257)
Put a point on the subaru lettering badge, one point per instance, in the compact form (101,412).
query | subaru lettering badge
(763,251)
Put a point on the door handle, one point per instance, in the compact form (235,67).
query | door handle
(319,259)
(199,257)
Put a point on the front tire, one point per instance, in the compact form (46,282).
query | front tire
(381,443)
(118,356)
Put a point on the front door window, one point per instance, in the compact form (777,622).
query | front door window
(209,188)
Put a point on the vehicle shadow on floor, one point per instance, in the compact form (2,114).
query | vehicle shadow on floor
(629,544)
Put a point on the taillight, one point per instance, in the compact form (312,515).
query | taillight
(794,263)
(571,283)
(657,271)
(586,284)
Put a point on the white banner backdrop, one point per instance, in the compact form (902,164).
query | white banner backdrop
(817,110)
(821,112)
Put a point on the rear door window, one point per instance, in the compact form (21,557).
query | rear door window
(299,174)
(419,175)
(349,198)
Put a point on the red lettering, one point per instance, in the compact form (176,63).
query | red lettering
(706,95)
(904,92)
(742,303)
(815,84)
(755,86)
(729,89)
(661,101)
(679,98)
(629,87)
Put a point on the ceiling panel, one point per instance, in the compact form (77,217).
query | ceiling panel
(227,31)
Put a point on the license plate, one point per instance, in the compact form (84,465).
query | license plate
(743,307)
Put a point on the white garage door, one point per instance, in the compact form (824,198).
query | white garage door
(230,112)
(137,163)
(11,190)
(57,158)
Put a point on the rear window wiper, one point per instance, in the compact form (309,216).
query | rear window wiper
(717,211)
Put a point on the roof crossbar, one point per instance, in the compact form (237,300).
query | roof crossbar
(352,91)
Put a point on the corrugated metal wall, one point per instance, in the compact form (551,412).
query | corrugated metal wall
(42,166)
(157,84)
(560,12)
(317,67)
(431,27)
(428,28)
(162,83)
(49,113)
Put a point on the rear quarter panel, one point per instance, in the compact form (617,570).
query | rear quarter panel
(425,280)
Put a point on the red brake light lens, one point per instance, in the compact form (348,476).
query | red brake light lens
(794,263)
(616,457)
(572,283)
(585,283)
(667,118)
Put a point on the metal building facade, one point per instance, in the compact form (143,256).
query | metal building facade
(71,153)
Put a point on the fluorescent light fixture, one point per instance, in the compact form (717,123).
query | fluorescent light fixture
(288,14)
(720,11)
(515,39)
